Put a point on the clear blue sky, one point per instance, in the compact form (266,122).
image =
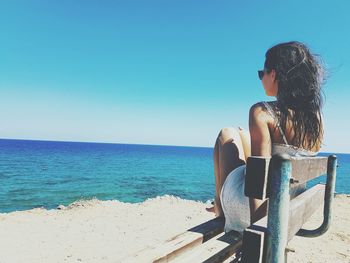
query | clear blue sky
(157,72)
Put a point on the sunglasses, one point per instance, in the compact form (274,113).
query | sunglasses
(261,73)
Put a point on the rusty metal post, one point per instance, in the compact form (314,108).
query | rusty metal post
(278,214)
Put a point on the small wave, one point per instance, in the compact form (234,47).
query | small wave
(86,203)
(94,201)
(171,199)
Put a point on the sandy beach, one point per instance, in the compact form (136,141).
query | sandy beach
(108,231)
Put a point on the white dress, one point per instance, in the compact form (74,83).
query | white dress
(235,204)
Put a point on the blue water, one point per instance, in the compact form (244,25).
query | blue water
(46,174)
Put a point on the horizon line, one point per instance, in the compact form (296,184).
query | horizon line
(103,142)
(142,144)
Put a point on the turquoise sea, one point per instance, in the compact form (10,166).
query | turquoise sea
(47,173)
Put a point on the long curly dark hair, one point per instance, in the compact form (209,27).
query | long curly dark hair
(300,76)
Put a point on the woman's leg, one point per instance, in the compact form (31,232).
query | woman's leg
(245,138)
(232,147)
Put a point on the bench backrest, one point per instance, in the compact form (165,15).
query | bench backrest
(274,178)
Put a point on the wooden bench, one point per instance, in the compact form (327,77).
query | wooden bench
(282,180)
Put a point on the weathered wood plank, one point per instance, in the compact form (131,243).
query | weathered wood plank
(256,177)
(217,249)
(307,168)
(303,170)
(179,244)
(301,208)
(253,245)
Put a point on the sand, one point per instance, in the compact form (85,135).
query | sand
(108,231)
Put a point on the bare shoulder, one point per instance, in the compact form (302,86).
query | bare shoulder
(258,112)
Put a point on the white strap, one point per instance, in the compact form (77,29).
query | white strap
(273,115)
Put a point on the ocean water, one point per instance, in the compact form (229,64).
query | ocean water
(46,173)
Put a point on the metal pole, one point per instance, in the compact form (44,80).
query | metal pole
(328,199)
(278,214)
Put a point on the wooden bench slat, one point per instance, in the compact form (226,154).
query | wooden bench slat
(303,170)
(179,244)
(257,170)
(301,208)
(307,168)
(253,245)
(217,249)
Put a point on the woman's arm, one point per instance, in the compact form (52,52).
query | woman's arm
(260,146)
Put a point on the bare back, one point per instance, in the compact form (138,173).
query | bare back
(276,133)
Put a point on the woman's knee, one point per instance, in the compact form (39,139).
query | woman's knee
(228,134)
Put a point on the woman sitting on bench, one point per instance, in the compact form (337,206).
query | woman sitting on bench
(291,124)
